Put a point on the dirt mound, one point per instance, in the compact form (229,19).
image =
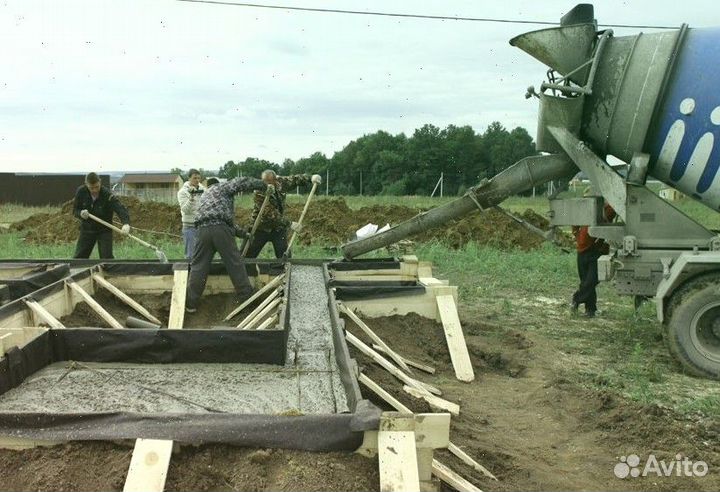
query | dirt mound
(329,221)
(62,227)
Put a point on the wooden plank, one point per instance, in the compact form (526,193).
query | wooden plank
(18,337)
(387,365)
(273,283)
(373,336)
(397,405)
(380,391)
(268,322)
(397,456)
(258,309)
(148,466)
(465,458)
(411,363)
(43,314)
(177,303)
(452,479)
(125,298)
(261,316)
(433,401)
(2,343)
(95,306)
(455,339)
(18,443)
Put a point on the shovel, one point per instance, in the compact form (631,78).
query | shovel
(300,220)
(246,244)
(161,256)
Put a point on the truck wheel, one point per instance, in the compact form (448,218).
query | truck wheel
(692,326)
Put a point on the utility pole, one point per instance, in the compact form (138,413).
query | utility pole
(361,183)
(327,181)
(442,182)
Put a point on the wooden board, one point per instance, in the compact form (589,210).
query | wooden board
(125,298)
(452,479)
(397,456)
(364,327)
(388,366)
(455,339)
(43,315)
(273,283)
(177,303)
(258,309)
(95,306)
(434,401)
(410,362)
(148,466)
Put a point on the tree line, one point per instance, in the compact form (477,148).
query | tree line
(385,164)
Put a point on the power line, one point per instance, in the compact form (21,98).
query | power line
(411,16)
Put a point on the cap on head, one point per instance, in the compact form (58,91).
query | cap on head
(212,181)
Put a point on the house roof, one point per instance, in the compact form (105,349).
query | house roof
(149,178)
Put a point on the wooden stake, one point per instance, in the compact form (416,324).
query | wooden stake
(268,309)
(364,327)
(268,322)
(397,455)
(258,309)
(95,305)
(44,314)
(273,283)
(465,458)
(385,364)
(434,401)
(452,479)
(148,466)
(411,363)
(397,405)
(177,303)
(125,298)
(455,338)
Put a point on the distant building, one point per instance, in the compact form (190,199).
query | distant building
(162,187)
(38,189)
(670,194)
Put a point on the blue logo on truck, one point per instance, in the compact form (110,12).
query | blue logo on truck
(686,145)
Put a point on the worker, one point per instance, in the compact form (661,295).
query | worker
(189,197)
(93,198)
(273,226)
(589,249)
(215,233)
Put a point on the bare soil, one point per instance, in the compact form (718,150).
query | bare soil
(328,222)
(531,427)
(211,311)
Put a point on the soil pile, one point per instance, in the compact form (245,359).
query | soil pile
(328,222)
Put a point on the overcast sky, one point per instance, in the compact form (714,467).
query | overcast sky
(155,84)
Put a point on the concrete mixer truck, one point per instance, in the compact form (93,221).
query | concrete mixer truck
(651,100)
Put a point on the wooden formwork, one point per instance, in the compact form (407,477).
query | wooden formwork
(404,442)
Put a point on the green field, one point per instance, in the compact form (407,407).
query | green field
(621,351)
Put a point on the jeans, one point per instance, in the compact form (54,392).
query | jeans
(189,235)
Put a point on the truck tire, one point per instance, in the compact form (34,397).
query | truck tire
(692,325)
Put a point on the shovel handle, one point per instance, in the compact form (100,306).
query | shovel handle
(302,216)
(117,229)
(246,245)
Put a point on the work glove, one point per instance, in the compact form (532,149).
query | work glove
(296,226)
(316,179)
(125,229)
(84,214)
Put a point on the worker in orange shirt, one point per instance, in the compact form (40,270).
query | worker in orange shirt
(589,249)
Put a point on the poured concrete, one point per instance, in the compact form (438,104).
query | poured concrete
(309,383)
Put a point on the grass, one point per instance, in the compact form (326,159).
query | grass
(12,212)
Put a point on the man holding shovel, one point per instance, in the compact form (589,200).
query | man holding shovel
(215,225)
(273,225)
(93,198)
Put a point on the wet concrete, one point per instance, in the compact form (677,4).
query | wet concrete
(309,383)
